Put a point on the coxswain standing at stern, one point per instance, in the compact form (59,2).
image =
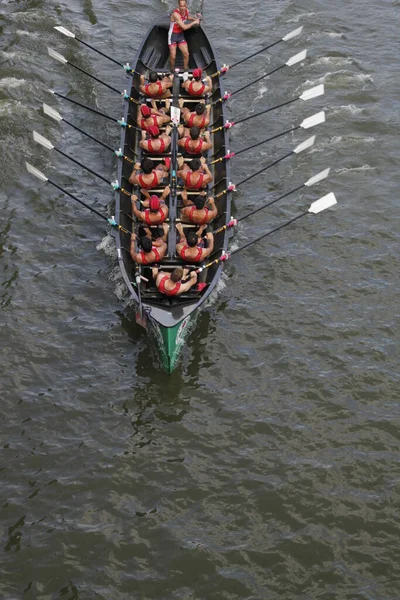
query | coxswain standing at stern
(180,22)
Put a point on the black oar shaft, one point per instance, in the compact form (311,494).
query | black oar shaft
(116,62)
(239,62)
(274,137)
(268,233)
(266,111)
(254,212)
(91,137)
(110,87)
(82,165)
(257,80)
(93,110)
(77,200)
(264,169)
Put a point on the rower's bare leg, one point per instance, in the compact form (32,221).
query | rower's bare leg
(172,57)
(185,53)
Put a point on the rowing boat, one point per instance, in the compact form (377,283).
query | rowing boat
(169,320)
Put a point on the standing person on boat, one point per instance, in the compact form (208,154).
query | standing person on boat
(152,117)
(199,118)
(198,87)
(153,251)
(156,88)
(196,175)
(151,177)
(191,247)
(193,143)
(171,284)
(156,211)
(180,22)
(154,142)
(195,210)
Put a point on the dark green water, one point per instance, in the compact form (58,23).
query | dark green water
(267,465)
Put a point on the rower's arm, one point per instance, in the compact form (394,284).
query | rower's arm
(185,287)
(177,19)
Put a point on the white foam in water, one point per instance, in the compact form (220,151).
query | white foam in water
(355,170)
(261,93)
(337,61)
(107,245)
(349,108)
(300,17)
(11,82)
(219,288)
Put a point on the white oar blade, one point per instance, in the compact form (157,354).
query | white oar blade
(42,141)
(293,34)
(317,178)
(57,56)
(50,112)
(33,171)
(314,120)
(323,203)
(65,31)
(304,145)
(318,90)
(297,58)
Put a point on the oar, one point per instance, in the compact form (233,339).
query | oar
(286,38)
(292,61)
(121,122)
(310,182)
(314,92)
(33,171)
(50,112)
(116,62)
(315,208)
(64,61)
(300,148)
(312,121)
(49,146)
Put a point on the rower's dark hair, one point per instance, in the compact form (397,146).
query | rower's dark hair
(199,202)
(191,239)
(200,109)
(147,165)
(153,77)
(177,274)
(145,243)
(194,132)
(195,164)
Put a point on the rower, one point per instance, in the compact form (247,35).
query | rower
(171,284)
(196,175)
(156,210)
(152,117)
(156,88)
(191,247)
(180,21)
(198,87)
(155,142)
(195,210)
(193,143)
(151,177)
(153,251)
(200,117)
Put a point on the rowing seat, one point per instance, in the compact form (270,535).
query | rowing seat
(151,58)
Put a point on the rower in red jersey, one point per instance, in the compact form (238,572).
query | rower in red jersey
(156,211)
(191,247)
(171,284)
(151,177)
(199,118)
(196,175)
(195,210)
(156,88)
(152,251)
(180,22)
(193,143)
(151,117)
(198,86)
(154,142)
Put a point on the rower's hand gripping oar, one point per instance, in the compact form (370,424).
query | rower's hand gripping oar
(286,38)
(309,183)
(292,61)
(300,148)
(51,112)
(49,146)
(312,121)
(318,90)
(36,173)
(64,61)
(69,34)
(315,208)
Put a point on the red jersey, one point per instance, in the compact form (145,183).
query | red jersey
(185,17)
(163,289)
(190,150)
